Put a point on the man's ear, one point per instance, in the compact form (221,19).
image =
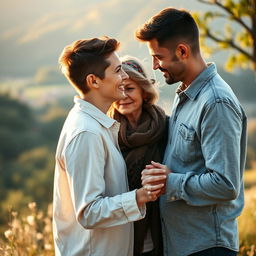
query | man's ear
(182,51)
(92,81)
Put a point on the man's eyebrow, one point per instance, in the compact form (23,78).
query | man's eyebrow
(157,55)
(119,66)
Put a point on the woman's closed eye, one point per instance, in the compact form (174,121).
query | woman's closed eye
(129,89)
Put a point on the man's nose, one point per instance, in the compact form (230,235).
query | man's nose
(124,75)
(155,64)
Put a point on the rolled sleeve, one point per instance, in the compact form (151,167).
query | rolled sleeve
(131,210)
(174,187)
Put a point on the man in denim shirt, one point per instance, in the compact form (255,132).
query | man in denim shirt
(205,156)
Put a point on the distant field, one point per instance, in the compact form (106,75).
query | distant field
(251,124)
(34,92)
(38,95)
(250,178)
(247,220)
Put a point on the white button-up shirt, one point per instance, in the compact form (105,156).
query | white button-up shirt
(92,208)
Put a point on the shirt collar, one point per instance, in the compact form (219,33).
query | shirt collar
(198,83)
(94,112)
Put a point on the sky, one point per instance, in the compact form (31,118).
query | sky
(34,32)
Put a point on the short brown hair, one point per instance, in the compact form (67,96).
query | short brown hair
(84,57)
(171,25)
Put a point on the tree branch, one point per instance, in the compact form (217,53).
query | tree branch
(206,2)
(253,18)
(238,20)
(230,43)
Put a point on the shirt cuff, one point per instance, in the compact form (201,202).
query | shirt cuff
(131,209)
(174,186)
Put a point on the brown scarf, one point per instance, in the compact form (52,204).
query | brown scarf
(139,146)
(142,144)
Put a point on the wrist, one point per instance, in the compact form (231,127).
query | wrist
(141,197)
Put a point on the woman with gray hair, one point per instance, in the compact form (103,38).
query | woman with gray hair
(142,138)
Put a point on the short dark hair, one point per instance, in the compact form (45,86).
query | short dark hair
(169,25)
(84,57)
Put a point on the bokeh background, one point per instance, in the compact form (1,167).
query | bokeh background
(35,99)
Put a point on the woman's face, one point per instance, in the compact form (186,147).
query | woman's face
(132,104)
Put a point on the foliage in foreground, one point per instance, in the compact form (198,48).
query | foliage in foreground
(30,235)
(247,223)
(236,32)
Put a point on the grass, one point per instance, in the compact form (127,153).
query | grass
(31,235)
(247,220)
(250,178)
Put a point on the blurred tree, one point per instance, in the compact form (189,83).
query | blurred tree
(250,157)
(251,145)
(26,154)
(14,114)
(37,174)
(241,16)
(17,126)
(242,83)
(28,178)
(252,137)
(51,121)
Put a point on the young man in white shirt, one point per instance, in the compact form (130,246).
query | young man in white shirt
(93,209)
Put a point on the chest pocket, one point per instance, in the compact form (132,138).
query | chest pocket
(186,144)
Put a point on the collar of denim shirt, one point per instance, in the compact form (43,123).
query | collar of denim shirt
(197,85)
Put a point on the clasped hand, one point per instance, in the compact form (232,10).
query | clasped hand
(154,175)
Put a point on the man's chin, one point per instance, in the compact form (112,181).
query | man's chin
(168,81)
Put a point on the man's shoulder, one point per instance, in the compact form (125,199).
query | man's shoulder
(82,122)
(217,90)
(78,122)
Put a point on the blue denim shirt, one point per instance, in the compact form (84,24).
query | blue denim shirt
(206,153)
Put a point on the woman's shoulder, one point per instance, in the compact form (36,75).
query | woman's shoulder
(160,110)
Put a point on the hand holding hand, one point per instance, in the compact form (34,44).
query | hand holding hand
(144,195)
(155,174)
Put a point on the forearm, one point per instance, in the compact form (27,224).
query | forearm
(106,212)
(117,210)
(201,189)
